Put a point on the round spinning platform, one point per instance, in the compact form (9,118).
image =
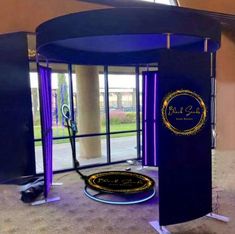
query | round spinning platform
(119,187)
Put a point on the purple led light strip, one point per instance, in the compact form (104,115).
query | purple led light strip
(155,119)
(46,140)
(145,119)
(48,127)
(46,118)
(49,133)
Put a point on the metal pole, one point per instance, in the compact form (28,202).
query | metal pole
(206,44)
(168,41)
(73,135)
(71,91)
(138,112)
(106,93)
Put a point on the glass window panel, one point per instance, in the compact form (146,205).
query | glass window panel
(62,155)
(91,150)
(35,104)
(60,96)
(122,98)
(123,146)
(38,157)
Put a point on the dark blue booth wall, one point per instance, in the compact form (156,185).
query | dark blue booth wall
(184,160)
(17,157)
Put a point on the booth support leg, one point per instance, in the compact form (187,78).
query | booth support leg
(44,201)
(158,228)
(218,217)
(57,184)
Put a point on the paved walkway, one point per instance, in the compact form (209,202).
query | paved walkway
(121,148)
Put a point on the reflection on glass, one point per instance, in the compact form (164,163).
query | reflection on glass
(91,150)
(123,146)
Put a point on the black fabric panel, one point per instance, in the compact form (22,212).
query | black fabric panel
(121,21)
(16,145)
(184,161)
(60,54)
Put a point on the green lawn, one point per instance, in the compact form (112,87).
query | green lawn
(120,127)
(62,131)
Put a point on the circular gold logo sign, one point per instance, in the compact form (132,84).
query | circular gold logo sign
(120,182)
(184,112)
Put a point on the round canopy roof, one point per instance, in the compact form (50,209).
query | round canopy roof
(124,35)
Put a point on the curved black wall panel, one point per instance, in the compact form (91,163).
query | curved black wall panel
(16,125)
(184,160)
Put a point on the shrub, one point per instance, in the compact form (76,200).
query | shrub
(120,117)
(117,117)
(130,117)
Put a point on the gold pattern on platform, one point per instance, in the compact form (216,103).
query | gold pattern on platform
(188,111)
(120,182)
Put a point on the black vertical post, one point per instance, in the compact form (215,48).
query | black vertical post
(106,93)
(70,72)
(71,91)
(138,111)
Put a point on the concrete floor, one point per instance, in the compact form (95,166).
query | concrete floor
(122,148)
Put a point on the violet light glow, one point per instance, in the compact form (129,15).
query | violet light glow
(150,108)
(145,118)
(46,125)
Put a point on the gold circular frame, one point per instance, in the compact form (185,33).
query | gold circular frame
(167,123)
(146,182)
